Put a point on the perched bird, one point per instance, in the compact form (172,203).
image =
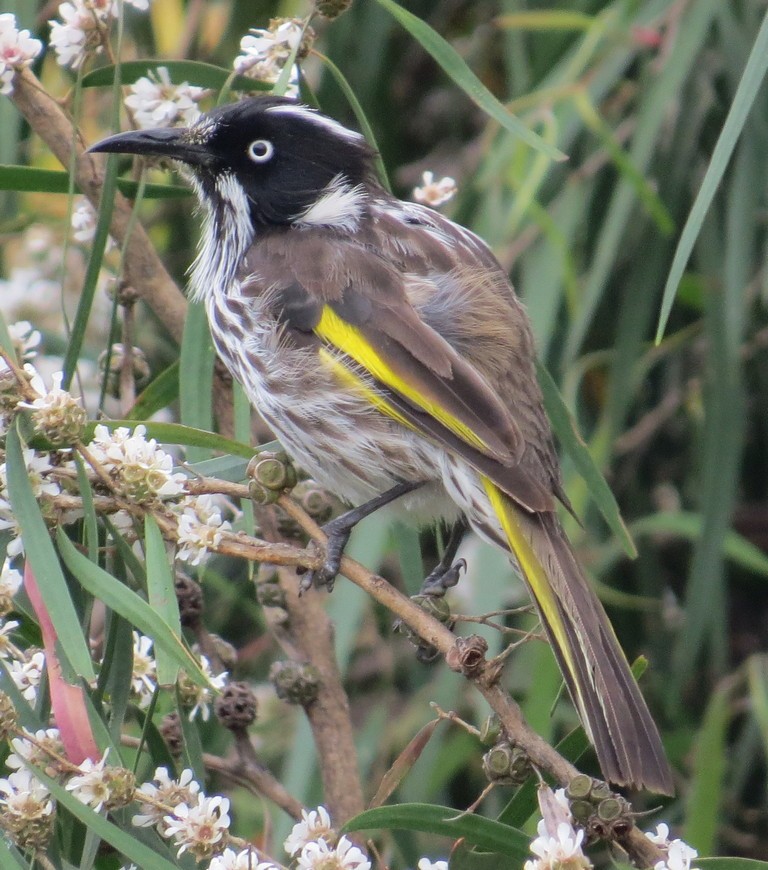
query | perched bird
(386,347)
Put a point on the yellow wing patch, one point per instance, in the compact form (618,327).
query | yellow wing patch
(348,339)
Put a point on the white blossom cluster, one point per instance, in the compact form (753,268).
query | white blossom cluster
(156,102)
(679,855)
(83,28)
(265,52)
(17,50)
(559,842)
(200,528)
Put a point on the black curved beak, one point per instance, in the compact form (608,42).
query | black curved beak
(170,142)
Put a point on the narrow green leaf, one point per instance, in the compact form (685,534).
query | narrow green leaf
(124,841)
(552,19)
(90,519)
(130,606)
(10,857)
(565,429)
(175,433)
(160,393)
(204,75)
(705,795)
(757,680)
(456,68)
(196,374)
(30,179)
(731,864)
(45,566)
(93,270)
(162,596)
(484,833)
(464,858)
(362,120)
(746,93)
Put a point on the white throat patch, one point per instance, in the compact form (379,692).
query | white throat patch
(227,234)
(339,205)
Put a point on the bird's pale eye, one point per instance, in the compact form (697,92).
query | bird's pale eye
(261,150)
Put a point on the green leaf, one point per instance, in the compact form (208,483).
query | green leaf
(705,795)
(196,374)
(33,180)
(746,93)
(162,596)
(124,841)
(130,606)
(484,833)
(10,857)
(455,67)
(175,433)
(464,858)
(565,429)
(731,864)
(204,75)
(45,566)
(160,393)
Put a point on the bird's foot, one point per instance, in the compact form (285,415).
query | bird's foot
(325,575)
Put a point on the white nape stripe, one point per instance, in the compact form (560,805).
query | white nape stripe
(339,205)
(318,120)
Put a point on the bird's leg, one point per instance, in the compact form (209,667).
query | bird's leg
(338,531)
(446,573)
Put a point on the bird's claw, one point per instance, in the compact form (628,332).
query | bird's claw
(325,574)
(442,579)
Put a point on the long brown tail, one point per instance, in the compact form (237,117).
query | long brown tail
(613,711)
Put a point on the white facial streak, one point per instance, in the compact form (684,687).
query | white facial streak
(318,120)
(339,205)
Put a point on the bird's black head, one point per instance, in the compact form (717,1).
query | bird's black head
(285,160)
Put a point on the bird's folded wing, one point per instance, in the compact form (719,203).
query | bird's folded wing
(412,374)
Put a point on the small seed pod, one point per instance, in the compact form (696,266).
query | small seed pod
(621,827)
(30,834)
(236,706)
(273,471)
(315,500)
(600,791)
(582,811)
(125,294)
(579,788)
(490,730)
(224,650)
(332,8)
(295,682)
(189,594)
(436,607)
(170,731)
(121,783)
(116,358)
(9,718)
(609,810)
(506,764)
(467,655)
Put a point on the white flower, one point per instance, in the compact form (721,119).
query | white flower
(25,752)
(142,471)
(170,792)
(10,583)
(435,193)
(679,854)
(55,412)
(314,825)
(23,797)
(246,859)
(7,649)
(17,49)
(141,5)
(156,102)
(38,467)
(561,851)
(200,528)
(426,864)
(201,697)
(92,786)
(199,827)
(25,339)
(319,855)
(80,31)
(265,52)
(144,675)
(84,220)
(27,675)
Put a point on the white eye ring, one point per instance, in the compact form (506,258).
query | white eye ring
(261,150)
